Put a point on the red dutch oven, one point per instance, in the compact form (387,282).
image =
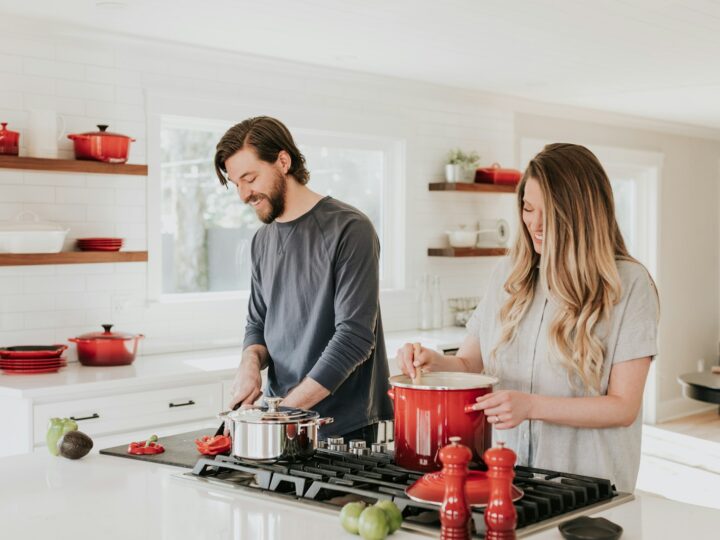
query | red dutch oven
(101,145)
(9,141)
(439,407)
(106,348)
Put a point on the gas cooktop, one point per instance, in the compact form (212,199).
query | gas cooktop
(336,475)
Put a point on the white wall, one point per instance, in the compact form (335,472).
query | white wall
(89,79)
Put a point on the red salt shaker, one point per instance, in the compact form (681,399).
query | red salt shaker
(455,511)
(500,514)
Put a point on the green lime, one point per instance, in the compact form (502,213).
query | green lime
(394,515)
(349,516)
(373,524)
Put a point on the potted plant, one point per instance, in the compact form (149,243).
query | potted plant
(458,164)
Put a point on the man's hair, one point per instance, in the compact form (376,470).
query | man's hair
(268,137)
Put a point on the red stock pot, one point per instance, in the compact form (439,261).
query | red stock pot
(429,413)
(106,348)
(101,145)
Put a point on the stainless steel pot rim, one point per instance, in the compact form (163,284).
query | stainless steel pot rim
(445,380)
(261,415)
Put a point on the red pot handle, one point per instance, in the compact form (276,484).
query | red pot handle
(469,408)
(391,393)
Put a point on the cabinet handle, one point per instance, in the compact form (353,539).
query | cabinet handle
(91,417)
(188,402)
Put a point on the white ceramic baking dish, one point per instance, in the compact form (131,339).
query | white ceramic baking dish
(27,233)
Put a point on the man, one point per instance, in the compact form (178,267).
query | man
(313,315)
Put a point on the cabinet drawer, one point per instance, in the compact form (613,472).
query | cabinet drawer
(124,412)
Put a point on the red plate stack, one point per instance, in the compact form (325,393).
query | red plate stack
(99,244)
(31,359)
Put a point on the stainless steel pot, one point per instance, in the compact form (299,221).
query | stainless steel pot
(273,433)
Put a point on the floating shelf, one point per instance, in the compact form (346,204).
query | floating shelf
(71,165)
(467,252)
(473,187)
(72,257)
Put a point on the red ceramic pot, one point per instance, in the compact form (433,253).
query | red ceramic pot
(106,348)
(429,413)
(101,145)
(9,141)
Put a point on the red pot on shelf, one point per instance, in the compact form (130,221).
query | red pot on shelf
(495,174)
(9,141)
(439,407)
(101,145)
(106,348)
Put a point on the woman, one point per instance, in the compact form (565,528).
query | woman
(568,325)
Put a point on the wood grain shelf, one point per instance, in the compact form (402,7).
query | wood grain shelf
(470,187)
(467,252)
(72,257)
(71,165)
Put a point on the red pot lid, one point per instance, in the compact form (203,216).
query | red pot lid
(102,133)
(431,489)
(107,334)
(445,380)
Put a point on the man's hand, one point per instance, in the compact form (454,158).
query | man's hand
(247,385)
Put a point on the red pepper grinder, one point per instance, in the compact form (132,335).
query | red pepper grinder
(455,512)
(500,514)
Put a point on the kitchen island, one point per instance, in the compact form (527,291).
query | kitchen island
(106,497)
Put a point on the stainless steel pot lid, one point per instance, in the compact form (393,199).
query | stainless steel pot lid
(445,380)
(271,413)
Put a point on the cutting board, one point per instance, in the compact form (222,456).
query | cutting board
(180,450)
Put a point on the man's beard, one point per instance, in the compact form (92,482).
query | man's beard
(275,199)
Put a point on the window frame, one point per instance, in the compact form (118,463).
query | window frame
(162,110)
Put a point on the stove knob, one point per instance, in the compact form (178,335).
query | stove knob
(334,439)
(357,443)
(378,448)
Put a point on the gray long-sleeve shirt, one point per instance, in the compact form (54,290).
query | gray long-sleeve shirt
(314,303)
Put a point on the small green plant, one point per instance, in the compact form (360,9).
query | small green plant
(458,157)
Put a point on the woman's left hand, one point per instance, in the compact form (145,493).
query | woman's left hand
(505,409)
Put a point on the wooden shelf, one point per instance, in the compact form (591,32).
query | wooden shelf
(477,188)
(467,252)
(71,257)
(70,165)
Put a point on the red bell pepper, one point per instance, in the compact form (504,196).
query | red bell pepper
(212,446)
(149,447)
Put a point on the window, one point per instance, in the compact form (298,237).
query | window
(206,230)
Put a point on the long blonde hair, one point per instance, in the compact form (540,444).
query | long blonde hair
(582,242)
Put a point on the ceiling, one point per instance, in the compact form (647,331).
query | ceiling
(657,59)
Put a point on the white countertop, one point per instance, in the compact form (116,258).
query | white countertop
(192,367)
(105,497)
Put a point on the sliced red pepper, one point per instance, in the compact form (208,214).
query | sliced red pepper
(212,446)
(145,448)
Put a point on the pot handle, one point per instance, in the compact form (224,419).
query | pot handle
(325,421)
(391,393)
(469,408)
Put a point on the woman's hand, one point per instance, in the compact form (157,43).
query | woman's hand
(412,357)
(505,409)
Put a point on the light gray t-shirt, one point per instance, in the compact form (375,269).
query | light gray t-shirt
(525,365)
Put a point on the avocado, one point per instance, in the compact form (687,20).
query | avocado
(74,445)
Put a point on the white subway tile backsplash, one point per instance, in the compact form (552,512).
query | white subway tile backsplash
(43,336)
(132,95)
(40,270)
(54,68)
(11,321)
(10,63)
(53,284)
(90,230)
(59,213)
(101,213)
(131,112)
(11,284)
(85,269)
(131,268)
(102,109)
(85,90)
(21,303)
(87,300)
(11,100)
(55,179)
(130,197)
(86,52)
(10,210)
(27,194)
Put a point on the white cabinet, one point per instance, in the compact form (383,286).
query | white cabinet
(131,411)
